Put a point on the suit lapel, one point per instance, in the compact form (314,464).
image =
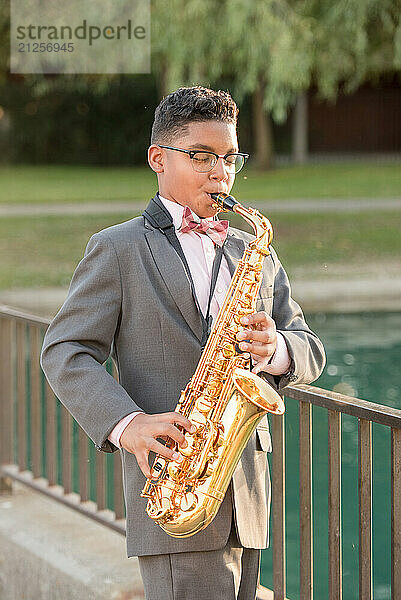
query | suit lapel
(174,276)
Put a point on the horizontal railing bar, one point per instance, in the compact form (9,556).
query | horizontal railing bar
(57,493)
(19,315)
(363,409)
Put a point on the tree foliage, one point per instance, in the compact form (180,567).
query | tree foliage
(289,46)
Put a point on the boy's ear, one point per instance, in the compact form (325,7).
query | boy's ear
(156,158)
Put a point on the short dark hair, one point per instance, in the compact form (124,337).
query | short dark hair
(191,104)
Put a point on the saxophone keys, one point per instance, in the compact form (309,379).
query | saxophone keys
(242,313)
(203,404)
(197,419)
(157,468)
(188,501)
(174,470)
(228,350)
(214,389)
(253,277)
(218,440)
(188,450)
(207,471)
(158,509)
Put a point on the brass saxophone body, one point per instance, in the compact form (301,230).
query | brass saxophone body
(223,399)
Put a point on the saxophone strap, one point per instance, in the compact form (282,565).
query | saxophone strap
(159,217)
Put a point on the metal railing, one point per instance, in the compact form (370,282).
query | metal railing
(38,444)
(366,413)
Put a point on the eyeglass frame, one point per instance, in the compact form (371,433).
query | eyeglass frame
(191,154)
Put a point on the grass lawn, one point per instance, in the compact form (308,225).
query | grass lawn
(43,251)
(69,184)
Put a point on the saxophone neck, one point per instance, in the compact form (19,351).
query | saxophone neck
(259,223)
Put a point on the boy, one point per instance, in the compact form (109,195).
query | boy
(132,295)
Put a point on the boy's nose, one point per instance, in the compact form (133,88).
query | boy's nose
(220,170)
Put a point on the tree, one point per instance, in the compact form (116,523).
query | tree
(249,43)
(275,50)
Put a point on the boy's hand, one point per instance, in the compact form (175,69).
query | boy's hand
(262,335)
(139,437)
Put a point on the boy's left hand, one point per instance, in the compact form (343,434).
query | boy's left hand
(260,330)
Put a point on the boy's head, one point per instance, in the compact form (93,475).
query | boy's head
(194,118)
(191,105)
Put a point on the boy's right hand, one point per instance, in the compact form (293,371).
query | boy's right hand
(139,437)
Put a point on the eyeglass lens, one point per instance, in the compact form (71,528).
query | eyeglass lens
(204,161)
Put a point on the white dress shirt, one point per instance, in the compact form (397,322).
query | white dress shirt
(199,250)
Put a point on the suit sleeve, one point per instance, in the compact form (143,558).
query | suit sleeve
(304,347)
(79,341)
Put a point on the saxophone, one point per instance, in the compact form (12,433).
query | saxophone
(223,400)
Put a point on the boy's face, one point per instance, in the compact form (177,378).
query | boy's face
(179,182)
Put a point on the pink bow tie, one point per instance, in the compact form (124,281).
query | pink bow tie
(216,230)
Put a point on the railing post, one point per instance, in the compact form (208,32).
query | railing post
(365,508)
(83,465)
(118,487)
(21,395)
(334,504)
(279,557)
(6,400)
(305,501)
(100,480)
(395,514)
(51,435)
(36,409)
(66,433)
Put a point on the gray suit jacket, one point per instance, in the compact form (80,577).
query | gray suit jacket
(130,297)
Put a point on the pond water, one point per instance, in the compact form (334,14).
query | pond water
(363,360)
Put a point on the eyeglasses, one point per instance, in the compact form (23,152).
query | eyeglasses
(203,161)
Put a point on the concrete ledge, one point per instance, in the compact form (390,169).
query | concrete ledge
(50,552)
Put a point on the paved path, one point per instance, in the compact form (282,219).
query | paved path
(134,207)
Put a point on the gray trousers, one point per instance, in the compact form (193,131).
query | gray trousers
(231,573)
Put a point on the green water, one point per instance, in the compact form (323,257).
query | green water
(363,358)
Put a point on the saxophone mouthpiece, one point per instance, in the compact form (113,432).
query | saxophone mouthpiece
(224,201)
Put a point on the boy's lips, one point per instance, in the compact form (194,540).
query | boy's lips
(216,192)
